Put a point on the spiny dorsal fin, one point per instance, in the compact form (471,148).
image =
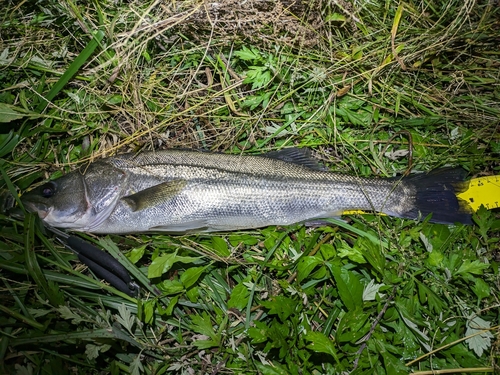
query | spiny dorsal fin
(154,195)
(300,156)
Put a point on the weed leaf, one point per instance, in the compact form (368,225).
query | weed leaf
(349,287)
(306,266)
(320,343)
(479,341)
(125,318)
(161,265)
(474,267)
(9,113)
(136,254)
(191,276)
(371,290)
(220,246)
(248,54)
(280,305)
(239,297)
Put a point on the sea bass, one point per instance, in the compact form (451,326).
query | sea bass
(182,191)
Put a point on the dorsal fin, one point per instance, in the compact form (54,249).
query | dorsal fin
(300,156)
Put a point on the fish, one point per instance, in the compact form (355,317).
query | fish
(184,191)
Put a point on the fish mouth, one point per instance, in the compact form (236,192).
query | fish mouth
(32,207)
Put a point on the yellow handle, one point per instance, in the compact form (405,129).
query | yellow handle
(483,191)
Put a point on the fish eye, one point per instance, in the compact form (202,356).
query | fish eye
(48,190)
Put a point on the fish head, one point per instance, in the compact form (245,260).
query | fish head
(79,200)
(60,203)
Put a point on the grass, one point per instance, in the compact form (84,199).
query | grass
(375,89)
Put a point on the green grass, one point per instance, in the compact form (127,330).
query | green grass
(372,88)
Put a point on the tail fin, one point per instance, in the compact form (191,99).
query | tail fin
(436,194)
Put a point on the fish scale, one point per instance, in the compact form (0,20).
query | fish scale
(182,191)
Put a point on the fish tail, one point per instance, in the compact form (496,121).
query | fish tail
(436,194)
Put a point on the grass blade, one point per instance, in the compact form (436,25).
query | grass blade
(72,70)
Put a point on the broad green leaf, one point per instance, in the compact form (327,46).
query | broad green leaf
(426,295)
(353,326)
(253,101)
(306,265)
(220,246)
(349,287)
(258,334)
(372,252)
(9,113)
(485,221)
(481,289)
(161,265)
(436,236)
(172,304)
(419,149)
(149,309)
(412,322)
(193,293)
(191,276)
(327,251)
(205,344)
(280,305)
(278,335)
(274,369)
(187,260)
(246,239)
(91,351)
(354,253)
(136,254)
(171,286)
(475,267)
(435,258)
(114,99)
(203,324)
(320,343)
(239,297)
(393,365)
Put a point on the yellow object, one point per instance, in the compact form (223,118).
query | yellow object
(483,191)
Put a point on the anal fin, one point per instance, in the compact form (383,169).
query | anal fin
(189,226)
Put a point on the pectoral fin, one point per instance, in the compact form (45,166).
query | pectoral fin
(155,195)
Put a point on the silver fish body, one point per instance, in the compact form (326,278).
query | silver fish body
(182,191)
